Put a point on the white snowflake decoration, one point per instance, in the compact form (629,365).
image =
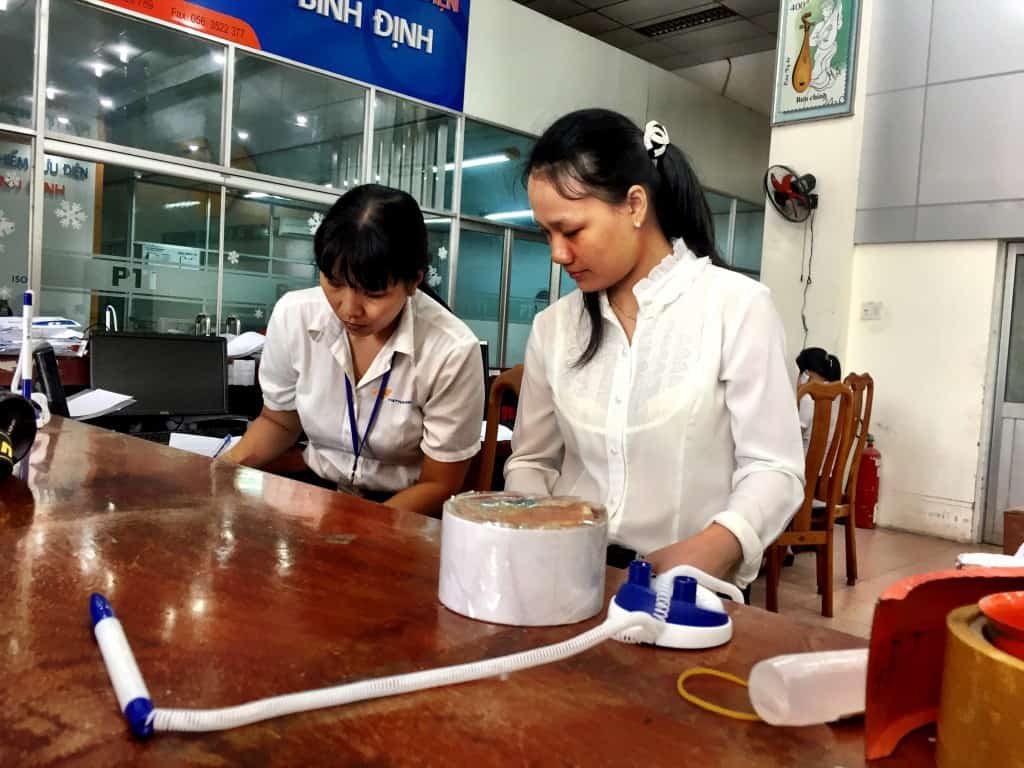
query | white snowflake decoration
(433,277)
(232,257)
(5,293)
(70,215)
(314,222)
(6,225)
(258,313)
(442,253)
(14,182)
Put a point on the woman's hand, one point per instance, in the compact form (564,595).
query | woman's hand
(714,550)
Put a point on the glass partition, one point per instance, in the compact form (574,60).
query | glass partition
(529,292)
(131,83)
(478,285)
(15,201)
(492,171)
(268,251)
(145,244)
(296,124)
(414,150)
(17,38)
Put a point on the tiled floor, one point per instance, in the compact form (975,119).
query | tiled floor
(883,557)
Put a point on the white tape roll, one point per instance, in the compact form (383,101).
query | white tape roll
(524,561)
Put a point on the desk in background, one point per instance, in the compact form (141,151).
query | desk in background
(233,585)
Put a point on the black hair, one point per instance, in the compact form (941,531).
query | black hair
(817,360)
(372,238)
(600,153)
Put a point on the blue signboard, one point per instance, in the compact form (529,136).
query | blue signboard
(413,47)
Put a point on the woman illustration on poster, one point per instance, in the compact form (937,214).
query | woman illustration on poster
(824,38)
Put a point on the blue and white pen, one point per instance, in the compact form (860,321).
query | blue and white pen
(26,346)
(223,445)
(132,696)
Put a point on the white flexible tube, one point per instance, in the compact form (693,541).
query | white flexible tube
(266,709)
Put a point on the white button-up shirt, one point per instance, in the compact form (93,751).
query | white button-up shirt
(432,404)
(693,423)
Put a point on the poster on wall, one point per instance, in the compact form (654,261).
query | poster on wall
(815,59)
(413,47)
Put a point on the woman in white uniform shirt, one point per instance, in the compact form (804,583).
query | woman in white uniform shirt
(660,388)
(386,383)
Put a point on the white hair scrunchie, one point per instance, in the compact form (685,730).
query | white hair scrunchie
(656,139)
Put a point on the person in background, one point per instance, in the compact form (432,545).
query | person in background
(659,388)
(385,382)
(815,364)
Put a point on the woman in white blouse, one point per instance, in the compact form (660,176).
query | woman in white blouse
(660,387)
(386,383)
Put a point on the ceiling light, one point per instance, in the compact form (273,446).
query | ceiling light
(98,67)
(301,120)
(476,162)
(3,5)
(506,215)
(63,120)
(51,93)
(193,147)
(243,135)
(106,103)
(182,204)
(218,59)
(428,222)
(256,195)
(122,53)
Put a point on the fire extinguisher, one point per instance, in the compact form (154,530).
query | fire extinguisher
(867,485)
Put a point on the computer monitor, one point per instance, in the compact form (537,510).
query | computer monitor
(166,373)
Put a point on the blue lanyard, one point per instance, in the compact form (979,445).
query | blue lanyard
(359,443)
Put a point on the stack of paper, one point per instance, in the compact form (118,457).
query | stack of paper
(203,445)
(93,403)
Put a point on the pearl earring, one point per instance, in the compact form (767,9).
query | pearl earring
(636,224)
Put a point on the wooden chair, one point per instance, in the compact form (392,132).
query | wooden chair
(824,468)
(863,388)
(509,381)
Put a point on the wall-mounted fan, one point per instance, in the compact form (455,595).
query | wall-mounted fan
(791,194)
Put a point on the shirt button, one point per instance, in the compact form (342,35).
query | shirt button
(618,400)
(615,451)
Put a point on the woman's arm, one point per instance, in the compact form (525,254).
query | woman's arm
(537,443)
(767,483)
(438,482)
(270,435)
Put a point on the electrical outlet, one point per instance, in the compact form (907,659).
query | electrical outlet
(871,311)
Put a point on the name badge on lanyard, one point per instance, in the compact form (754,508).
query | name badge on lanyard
(359,443)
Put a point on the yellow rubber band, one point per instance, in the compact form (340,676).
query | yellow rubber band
(697,702)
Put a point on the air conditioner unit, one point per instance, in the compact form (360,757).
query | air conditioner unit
(287,227)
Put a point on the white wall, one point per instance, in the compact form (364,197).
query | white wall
(727,143)
(749,84)
(525,70)
(930,356)
(830,149)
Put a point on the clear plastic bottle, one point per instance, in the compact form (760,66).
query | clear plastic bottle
(810,688)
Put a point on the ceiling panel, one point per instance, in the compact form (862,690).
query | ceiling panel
(558,9)
(592,23)
(615,23)
(752,7)
(599,3)
(624,38)
(632,12)
(767,21)
(726,32)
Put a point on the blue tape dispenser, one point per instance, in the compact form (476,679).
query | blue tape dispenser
(684,601)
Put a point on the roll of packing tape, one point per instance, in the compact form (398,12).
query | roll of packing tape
(981,714)
(521,560)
